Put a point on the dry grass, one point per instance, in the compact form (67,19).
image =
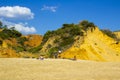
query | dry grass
(57,69)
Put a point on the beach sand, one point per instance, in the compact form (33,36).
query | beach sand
(57,69)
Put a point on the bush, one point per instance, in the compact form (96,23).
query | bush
(53,51)
(76,30)
(19,48)
(1,42)
(35,49)
(66,41)
(46,36)
(8,33)
(49,46)
(56,40)
(11,33)
(86,24)
(4,35)
(21,40)
(109,33)
(1,24)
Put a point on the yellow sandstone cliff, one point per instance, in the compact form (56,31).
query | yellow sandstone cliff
(94,46)
(33,40)
(6,49)
(117,34)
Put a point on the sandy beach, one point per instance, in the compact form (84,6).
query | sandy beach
(57,69)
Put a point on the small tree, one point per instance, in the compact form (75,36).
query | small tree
(1,24)
(109,33)
(5,27)
(86,24)
(53,51)
(1,42)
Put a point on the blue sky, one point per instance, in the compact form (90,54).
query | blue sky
(39,16)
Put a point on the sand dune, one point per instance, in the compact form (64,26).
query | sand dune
(57,69)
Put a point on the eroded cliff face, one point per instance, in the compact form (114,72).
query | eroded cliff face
(95,45)
(8,47)
(117,34)
(6,51)
(82,41)
(33,40)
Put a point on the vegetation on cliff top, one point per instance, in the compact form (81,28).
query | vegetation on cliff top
(14,39)
(65,36)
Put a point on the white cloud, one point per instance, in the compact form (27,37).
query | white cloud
(49,8)
(22,27)
(16,12)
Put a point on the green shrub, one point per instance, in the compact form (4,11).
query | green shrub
(56,40)
(49,46)
(1,24)
(4,35)
(109,33)
(86,24)
(21,40)
(1,42)
(53,51)
(19,48)
(35,49)
(12,33)
(9,33)
(66,41)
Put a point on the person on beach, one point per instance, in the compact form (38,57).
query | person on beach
(41,58)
